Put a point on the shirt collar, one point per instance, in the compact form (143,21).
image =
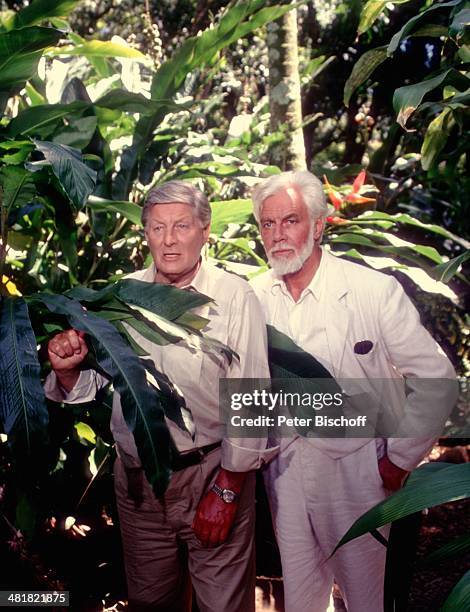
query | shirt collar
(198,283)
(314,287)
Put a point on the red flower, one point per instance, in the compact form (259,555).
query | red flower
(359,181)
(336,220)
(335,197)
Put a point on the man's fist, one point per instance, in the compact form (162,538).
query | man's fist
(67,350)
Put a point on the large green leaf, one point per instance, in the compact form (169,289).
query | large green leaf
(76,178)
(129,210)
(362,70)
(406,99)
(42,120)
(459,598)
(288,360)
(371,11)
(23,411)
(435,138)
(164,300)
(438,487)
(78,133)
(195,53)
(40,11)
(141,404)
(18,187)
(100,48)
(20,52)
(460,23)
(229,211)
(409,25)
(445,271)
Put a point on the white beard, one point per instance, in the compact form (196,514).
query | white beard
(289,265)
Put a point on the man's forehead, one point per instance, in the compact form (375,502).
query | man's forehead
(170,210)
(284,201)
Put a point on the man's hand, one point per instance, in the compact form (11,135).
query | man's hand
(214,517)
(66,351)
(392,475)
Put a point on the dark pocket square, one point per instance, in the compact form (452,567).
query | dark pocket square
(363,347)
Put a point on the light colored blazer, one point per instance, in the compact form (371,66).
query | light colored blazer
(362,304)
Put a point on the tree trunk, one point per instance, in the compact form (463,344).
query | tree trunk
(284,93)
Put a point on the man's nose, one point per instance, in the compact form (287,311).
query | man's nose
(169,236)
(278,234)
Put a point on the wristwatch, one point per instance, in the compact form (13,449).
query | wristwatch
(226,494)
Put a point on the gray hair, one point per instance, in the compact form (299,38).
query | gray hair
(307,184)
(178,192)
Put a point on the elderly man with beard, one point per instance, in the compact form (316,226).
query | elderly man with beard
(202,530)
(359,324)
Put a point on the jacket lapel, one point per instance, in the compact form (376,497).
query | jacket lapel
(337,316)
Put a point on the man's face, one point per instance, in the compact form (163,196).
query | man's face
(288,231)
(175,237)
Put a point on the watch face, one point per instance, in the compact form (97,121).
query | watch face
(228,496)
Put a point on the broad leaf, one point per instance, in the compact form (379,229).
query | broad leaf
(195,53)
(141,405)
(445,271)
(129,210)
(362,70)
(371,11)
(460,23)
(435,138)
(40,11)
(100,48)
(164,300)
(406,99)
(78,133)
(43,120)
(409,25)
(20,52)
(287,360)
(229,211)
(18,187)
(76,178)
(438,487)
(459,598)
(23,411)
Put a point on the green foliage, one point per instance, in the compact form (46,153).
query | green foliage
(372,9)
(430,485)
(22,404)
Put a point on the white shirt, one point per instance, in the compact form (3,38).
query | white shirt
(303,321)
(235,319)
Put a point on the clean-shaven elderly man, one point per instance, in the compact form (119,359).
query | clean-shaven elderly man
(202,530)
(360,325)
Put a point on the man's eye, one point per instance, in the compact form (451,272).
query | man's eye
(267,224)
(291,221)
(158,228)
(182,226)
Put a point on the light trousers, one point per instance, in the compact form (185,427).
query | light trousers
(163,558)
(314,500)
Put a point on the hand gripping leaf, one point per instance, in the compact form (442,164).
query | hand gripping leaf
(141,405)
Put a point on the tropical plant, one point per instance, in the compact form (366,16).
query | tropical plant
(430,485)
(433,112)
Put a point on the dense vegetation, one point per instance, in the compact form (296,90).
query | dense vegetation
(102,99)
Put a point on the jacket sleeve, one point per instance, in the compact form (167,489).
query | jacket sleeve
(88,384)
(430,378)
(247,337)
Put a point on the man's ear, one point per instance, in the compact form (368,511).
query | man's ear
(206,231)
(318,227)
